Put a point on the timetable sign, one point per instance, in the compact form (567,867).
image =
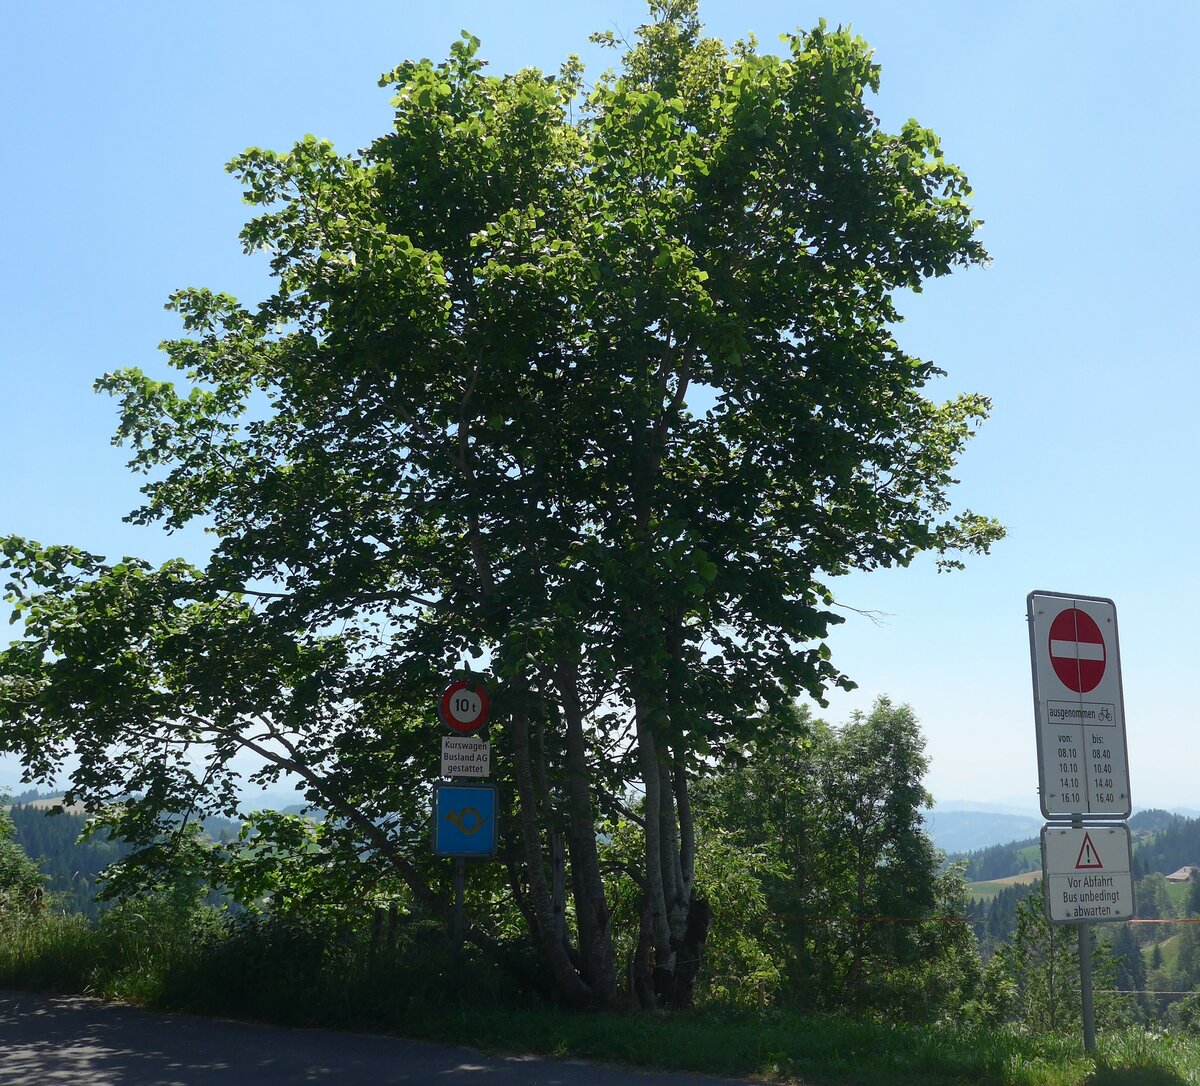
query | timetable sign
(1083,760)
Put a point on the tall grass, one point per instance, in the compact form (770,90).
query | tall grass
(292,971)
(309,972)
(53,953)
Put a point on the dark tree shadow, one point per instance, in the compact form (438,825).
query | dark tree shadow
(1136,1076)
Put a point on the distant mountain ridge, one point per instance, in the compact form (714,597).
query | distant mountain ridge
(961,826)
(969,831)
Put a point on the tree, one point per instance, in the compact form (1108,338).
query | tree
(589,393)
(846,868)
(996,920)
(72,866)
(1153,898)
(1130,966)
(1187,957)
(21,880)
(873,795)
(1034,979)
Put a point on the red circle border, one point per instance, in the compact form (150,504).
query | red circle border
(472,726)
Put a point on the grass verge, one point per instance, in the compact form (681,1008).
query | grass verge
(308,975)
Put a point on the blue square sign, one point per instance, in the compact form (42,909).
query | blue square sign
(464,819)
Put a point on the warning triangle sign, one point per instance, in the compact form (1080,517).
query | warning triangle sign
(1089,858)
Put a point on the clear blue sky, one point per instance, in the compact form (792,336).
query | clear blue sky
(1075,121)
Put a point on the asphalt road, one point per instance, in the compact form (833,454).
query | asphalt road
(86,1042)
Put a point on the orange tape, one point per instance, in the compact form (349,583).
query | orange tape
(940,919)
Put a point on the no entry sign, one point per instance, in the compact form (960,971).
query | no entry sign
(1082,757)
(1077,650)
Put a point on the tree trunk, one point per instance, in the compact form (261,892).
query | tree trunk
(558,896)
(687,830)
(676,897)
(691,952)
(677,828)
(549,819)
(691,917)
(597,953)
(567,982)
(641,982)
(656,900)
(393,926)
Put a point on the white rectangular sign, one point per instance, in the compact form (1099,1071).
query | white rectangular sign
(465,756)
(1083,761)
(1087,873)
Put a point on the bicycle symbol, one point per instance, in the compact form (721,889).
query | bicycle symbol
(1105,713)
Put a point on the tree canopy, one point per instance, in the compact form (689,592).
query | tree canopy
(587,389)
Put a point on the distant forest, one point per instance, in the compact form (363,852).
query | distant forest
(1162,843)
(73,866)
(1172,844)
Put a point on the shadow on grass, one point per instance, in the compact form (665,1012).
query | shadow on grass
(1138,1076)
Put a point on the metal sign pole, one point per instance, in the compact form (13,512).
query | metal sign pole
(457,923)
(1085,975)
(1085,987)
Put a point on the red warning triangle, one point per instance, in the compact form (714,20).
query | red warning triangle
(1089,858)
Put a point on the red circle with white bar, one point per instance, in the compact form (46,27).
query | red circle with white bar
(1077,650)
(464,707)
